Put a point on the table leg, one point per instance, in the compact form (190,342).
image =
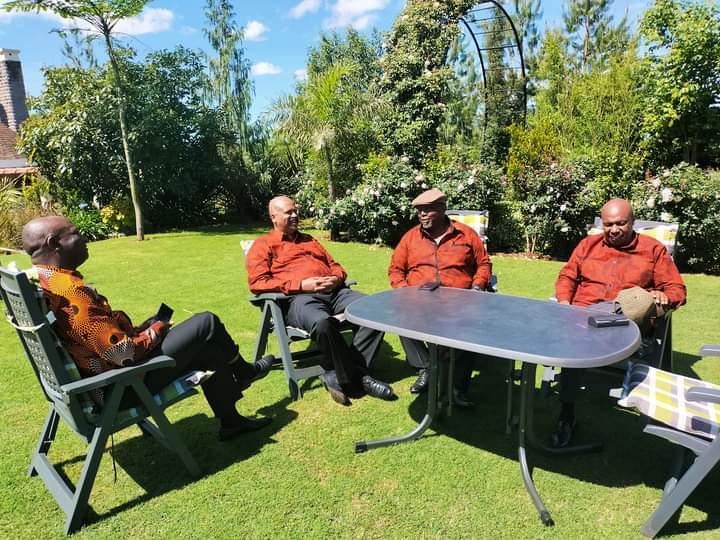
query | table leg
(527,389)
(432,407)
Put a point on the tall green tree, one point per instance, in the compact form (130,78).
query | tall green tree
(682,80)
(593,36)
(228,85)
(102,16)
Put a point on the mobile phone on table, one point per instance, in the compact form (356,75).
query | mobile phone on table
(164,313)
(429,286)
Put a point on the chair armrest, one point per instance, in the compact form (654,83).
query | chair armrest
(114,375)
(258,299)
(710,350)
(350,282)
(699,393)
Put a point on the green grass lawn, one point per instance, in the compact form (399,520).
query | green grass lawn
(300,477)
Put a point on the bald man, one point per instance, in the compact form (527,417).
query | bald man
(295,264)
(615,271)
(100,339)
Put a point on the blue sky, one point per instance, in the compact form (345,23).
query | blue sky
(278,33)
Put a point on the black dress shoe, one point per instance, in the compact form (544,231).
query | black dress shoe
(262,367)
(420,384)
(244,425)
(462,400)
(563,434)
(377,389)
(331,384)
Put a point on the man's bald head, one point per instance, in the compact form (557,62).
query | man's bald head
(617,221)
(55,241)
(283,215)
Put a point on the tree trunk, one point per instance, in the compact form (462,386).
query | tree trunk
(124,135)
(331,182)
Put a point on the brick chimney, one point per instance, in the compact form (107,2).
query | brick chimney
(13,110)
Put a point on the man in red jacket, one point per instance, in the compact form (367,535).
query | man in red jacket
(294,263)
(618,270)
(443,251)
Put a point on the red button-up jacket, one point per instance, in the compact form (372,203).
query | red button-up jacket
(278,264)
(597,272)
(459,260)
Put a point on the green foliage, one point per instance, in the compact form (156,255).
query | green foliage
(687,195)
(530,148)
(73,135)
(681,81)
(555,207)
(415,75)
(89,222)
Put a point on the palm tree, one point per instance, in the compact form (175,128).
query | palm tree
(324,110)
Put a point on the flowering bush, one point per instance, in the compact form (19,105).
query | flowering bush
(687,195)
(119,215)
(556,206)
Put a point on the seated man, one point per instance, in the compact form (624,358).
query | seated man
(294,263)
(618,271)
(99,339)
(439,250)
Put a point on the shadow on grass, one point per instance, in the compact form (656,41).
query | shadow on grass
(158,470)
(629,457)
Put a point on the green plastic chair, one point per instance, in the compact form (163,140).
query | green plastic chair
(89,406)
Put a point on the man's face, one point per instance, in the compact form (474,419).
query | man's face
(617,222)
(73,247)
(430,215)
(284,216)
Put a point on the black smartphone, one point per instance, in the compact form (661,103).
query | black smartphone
(429,286)
(603,321)
(164,313)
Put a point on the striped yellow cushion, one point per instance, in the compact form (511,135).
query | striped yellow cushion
(477,220)
(661,396)
(665,233)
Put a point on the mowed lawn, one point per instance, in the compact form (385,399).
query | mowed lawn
(300,478)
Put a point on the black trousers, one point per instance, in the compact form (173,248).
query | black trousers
(202,343)
(314,314)
(418,356)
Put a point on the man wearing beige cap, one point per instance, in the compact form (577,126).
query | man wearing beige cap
(618,271)
(446,252)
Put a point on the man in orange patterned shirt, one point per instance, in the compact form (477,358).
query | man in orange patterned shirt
(99,339)
(600,268)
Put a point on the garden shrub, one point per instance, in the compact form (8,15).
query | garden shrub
(17,207)
(555,207)
(691,197)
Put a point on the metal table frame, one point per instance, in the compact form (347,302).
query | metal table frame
(440,386)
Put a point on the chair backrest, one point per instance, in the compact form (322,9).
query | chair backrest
(476,219)
(665,233)
(27,312)
(246,245)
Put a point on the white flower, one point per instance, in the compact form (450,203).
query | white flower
(471,180)
(650,203)
(348,192)
(395,223)
(320,212)
(342,212)
(424,185)
(666,173)
(312,208)
(565,229)
(460,187)
(655,182)
(563,207)
(666,216)
(403,185)
(666,194)
(361,202)
(404,159)
(532,207)
(377,192)
(419,177)
(427,73)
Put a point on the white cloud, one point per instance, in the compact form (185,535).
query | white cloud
(304,7)
(254,31)
(150,21)
(301,74)
(264,68)
(355,13)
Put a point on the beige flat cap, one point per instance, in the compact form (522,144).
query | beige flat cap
(430,196)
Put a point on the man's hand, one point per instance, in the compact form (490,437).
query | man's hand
(320,284)
(564,302)
(661,298)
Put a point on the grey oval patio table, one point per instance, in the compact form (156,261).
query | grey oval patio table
(531,331)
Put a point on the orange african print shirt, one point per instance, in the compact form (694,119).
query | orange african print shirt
(97,338)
